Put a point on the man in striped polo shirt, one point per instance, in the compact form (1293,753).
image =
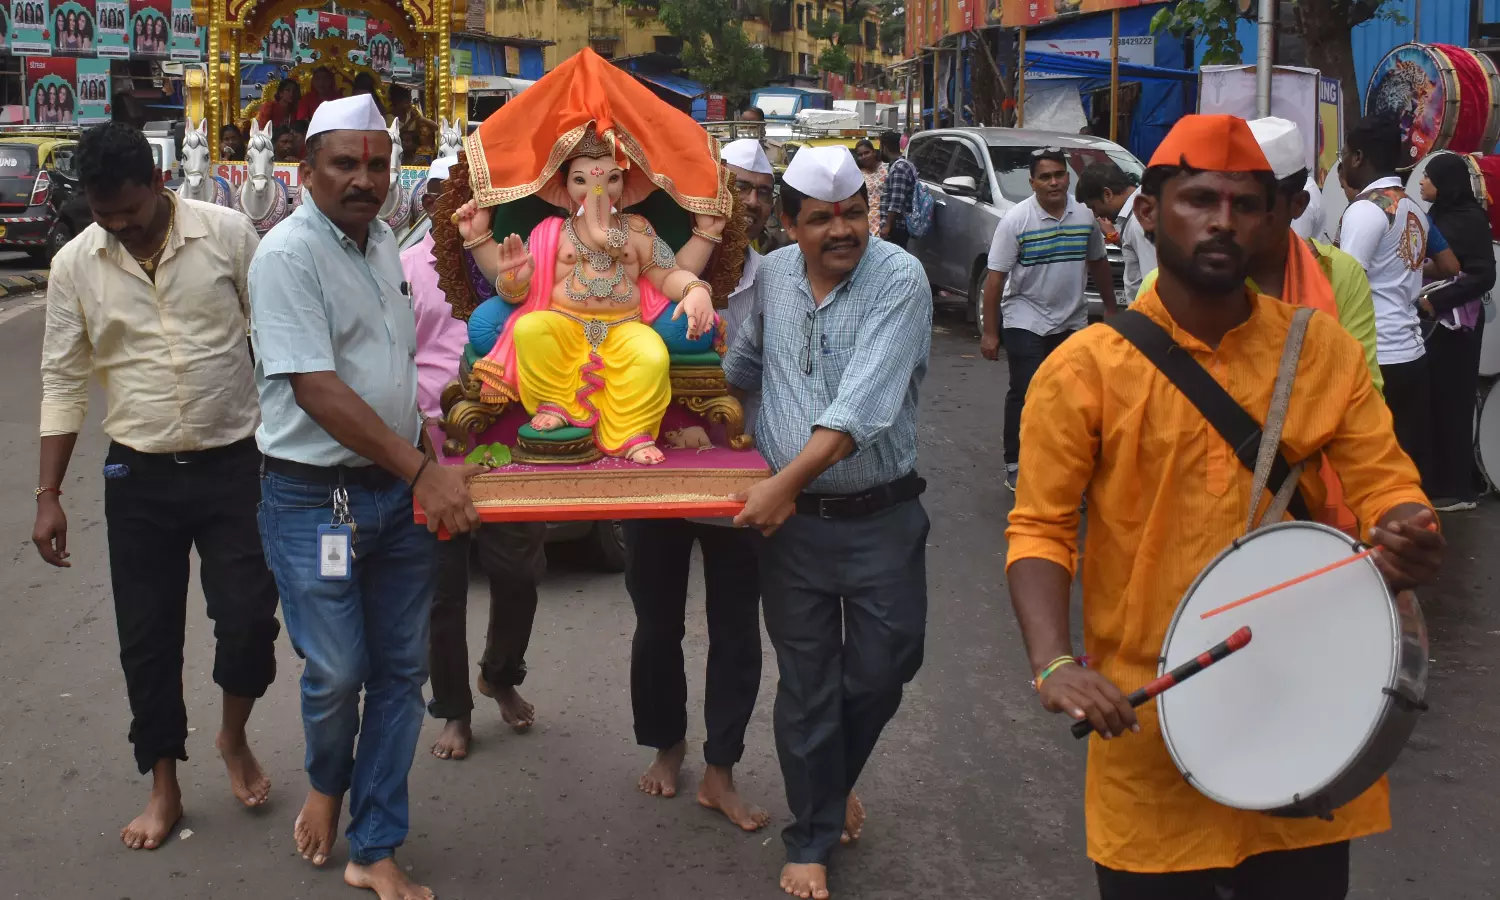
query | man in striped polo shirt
(1038,258)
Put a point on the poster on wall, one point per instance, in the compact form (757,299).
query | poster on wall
(29,32)
(187,37)
(73,29)
(150,34)
(1330,125)
(1024,13)
(381,47)
(356,33)
(67,91)
(1139,50)
(306,25)
(112,29)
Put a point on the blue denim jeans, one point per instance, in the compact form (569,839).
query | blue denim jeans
(368,632)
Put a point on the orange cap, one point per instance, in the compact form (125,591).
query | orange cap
(1213,144)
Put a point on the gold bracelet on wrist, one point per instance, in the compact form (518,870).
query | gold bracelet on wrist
(517,295)
(711,238)
(697,282)
(478,242)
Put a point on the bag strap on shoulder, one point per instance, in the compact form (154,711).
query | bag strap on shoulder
(1236,426)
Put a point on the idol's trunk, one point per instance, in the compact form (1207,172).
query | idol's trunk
(593,225)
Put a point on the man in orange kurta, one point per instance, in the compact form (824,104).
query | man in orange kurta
(1165,495)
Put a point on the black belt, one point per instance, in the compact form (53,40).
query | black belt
(371,476)
(243,447)
(865,503)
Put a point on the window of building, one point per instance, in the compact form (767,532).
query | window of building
(804,64)
(872,33)
(801,18)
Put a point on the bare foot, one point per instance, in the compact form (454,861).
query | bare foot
(453,743)
(808,880)
(148,830)
(387,880)
(646,455)
(317,826)
(661,779)
(516,712)
(854,820)
(717,792)
(246,779)
(547,421)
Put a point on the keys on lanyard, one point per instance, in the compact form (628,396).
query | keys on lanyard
(336,541)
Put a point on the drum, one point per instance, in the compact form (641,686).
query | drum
(1441,94)
(1319,705)
(1487,434)
(1489,346)
(1491,135)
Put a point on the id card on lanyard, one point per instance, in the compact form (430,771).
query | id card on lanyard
(336,541)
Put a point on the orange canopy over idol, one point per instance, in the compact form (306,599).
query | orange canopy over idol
(517,151)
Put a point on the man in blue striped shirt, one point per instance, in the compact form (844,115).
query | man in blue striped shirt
(838,353)
(1038,258)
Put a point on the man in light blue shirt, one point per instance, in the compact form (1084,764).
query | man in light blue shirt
(335,346)
(839,352)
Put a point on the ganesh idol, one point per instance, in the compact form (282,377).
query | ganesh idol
(600,161)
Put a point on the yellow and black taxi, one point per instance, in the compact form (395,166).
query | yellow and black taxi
(41,203)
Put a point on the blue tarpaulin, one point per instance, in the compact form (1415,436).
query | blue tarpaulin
(690,91)
(1168,89)
(488,58)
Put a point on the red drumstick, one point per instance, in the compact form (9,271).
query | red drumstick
(1178,675)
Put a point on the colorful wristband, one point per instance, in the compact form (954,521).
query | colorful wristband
(1051,667)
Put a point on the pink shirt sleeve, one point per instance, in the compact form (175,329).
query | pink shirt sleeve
(440,337)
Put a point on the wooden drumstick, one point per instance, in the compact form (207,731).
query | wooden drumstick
(1178,675)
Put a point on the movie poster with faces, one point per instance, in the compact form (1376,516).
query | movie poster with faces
(361,38)
(150,29)
(280,44)
(187,37)
(29,33)
(67,91)
(387,52)
(306,25)
(112,29)
(73,27)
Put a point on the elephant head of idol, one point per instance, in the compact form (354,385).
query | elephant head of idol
(594,179)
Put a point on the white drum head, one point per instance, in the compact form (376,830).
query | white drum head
(1489,346)
(1281,718)
(1488,438)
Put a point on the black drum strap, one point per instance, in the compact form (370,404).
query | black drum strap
(1229,419)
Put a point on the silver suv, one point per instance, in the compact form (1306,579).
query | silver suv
(975,175)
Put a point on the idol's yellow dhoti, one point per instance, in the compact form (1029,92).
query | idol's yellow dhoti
(620,389)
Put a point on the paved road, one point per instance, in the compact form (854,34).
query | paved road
(973,792)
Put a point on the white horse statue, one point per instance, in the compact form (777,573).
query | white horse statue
(198,180)
(397,207)
(450,141)
(262,197)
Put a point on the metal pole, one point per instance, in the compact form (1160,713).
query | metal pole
(1265,57)
(1114,75)
(1416,19)
(1021,80)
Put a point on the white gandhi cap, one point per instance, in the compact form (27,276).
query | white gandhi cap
(1281,142)
(747,154)
(825,173)
(357,113)
(441,167)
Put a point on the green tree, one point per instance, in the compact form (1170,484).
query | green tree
(892,26)
(1325,26)
(715,50)
(841,29)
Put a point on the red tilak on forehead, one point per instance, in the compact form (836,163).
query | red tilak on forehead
(367,149)
(838,209)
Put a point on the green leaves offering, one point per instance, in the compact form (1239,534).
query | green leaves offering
(492,455)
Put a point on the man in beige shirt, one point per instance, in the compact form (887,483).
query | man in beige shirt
(152,299)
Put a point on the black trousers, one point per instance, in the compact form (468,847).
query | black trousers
(1408,394)
(156,512)
(513,555)
(1314,873)
(1024,353)
(846,610)
(658,555)
(1453,368)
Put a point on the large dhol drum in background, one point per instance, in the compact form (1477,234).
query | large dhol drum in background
(1311,713)
(1443,96)
(1487,434)
(1489,347)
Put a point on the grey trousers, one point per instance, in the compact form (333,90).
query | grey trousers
(846,609)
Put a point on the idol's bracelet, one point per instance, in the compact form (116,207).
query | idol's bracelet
(478,242)
(1051,667)
(517,295)
(697,282)
(711,238)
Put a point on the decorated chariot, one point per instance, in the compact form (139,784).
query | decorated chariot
(267,190)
